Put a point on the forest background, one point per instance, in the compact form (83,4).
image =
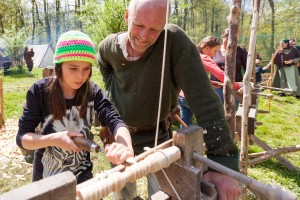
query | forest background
(26,22)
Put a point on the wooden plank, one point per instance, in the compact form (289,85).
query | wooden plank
(48,71)
(189,140)
(185,180)
(251,120)
(281,159)
(60,186)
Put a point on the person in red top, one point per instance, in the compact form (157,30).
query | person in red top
(207,49)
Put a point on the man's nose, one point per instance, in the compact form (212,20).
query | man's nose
(144,34)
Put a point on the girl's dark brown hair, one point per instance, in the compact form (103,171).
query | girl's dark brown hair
(56,100)
(208,41)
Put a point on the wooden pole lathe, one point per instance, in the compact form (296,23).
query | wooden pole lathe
(116,181)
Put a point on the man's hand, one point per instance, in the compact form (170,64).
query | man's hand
(228,188)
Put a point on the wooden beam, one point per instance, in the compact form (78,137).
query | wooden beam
(189,140)
(266,147)
(60,186)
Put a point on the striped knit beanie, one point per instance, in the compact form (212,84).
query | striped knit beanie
(74,46)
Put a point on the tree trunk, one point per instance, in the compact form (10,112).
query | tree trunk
(47,23)
(230,62)
(271,2)
(33,21)
(212,20)
(185,13)
(192,15)
(57,19)
(205,21)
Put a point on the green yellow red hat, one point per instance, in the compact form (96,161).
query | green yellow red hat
(74,46)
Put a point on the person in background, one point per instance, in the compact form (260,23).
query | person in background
(292,43)
(207,49)
(131,63)
(286,74)
(28,55)
(258,70)
(241,63)
(64,105)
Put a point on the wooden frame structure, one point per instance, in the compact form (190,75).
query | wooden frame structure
(181,154)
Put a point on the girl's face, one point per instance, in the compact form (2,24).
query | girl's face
(211,51)
(74,75)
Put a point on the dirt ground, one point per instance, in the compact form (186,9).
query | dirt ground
(14,170)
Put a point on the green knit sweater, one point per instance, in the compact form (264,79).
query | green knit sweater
(133,87)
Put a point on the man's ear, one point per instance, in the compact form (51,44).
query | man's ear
(126,16)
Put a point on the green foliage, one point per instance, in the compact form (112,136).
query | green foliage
(15,44)
(104,18)
(287,25)
(15,86)
(203,18)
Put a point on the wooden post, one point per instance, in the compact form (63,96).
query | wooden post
(1,103)
(48,71)
(189,140)
(271,80)
(60,186)
(247,95)
(230,65)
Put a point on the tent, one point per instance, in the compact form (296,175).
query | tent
(43,55)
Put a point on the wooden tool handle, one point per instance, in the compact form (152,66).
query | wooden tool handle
(262,190)
(270,192)
(86,144)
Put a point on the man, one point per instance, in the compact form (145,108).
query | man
(131,64)
(293,44)
(28,55)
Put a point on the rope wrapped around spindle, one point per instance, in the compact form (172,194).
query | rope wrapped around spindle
(116,181)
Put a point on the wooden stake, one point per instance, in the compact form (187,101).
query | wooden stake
(1,103)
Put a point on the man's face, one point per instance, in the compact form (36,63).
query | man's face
(283,44)
(292,43)
(145,26)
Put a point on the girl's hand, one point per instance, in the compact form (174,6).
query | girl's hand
(64,140)
(117,153)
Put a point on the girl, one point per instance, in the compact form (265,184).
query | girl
(207,48)
(64,105)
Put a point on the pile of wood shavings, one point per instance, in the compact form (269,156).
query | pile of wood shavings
(11,157)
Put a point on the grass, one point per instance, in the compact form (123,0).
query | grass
(280,129)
